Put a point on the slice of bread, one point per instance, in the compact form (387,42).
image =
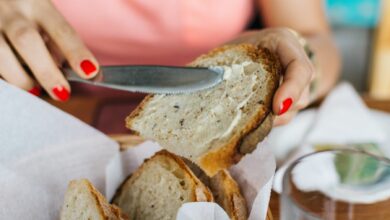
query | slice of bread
(159,187)
(216,127)
(225,190)
(228,195)
(84,202)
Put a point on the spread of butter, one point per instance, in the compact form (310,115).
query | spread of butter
(236,70)
(213,122)
(237,118)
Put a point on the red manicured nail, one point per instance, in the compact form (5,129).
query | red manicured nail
(88,67)
(35,91)
(286,104)
(61,92)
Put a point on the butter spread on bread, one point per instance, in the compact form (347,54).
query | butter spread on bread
(214,128)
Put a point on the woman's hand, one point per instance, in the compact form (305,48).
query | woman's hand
(25,24)
(293,94)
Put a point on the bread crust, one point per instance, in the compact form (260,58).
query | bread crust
(225,190)
(249,142)
(129,119)
(200,192)
(228,195)
(106,210)
(245,142)
(109,212)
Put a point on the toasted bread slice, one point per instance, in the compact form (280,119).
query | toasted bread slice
(159,187)
(216,127)
(84,202)
(225,190)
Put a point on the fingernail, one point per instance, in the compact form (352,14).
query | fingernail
(61,92)
(286,104)
(88,67)
(35,91)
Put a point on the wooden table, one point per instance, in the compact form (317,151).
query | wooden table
(86,108)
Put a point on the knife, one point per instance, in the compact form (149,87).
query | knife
(153,79)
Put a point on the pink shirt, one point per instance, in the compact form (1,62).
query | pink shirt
(155,31)
(167,32)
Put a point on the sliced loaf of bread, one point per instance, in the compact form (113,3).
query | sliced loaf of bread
(159,187)
(216,127)
(84,202)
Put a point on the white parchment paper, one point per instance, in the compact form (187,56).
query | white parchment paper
(42,149)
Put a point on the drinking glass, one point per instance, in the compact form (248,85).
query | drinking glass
(337,185)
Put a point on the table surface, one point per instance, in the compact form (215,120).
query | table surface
(85,108)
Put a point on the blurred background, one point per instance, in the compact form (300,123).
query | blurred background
(361,29)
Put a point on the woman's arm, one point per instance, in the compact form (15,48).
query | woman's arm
(307,17)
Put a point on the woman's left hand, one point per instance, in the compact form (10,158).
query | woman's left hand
(298,71)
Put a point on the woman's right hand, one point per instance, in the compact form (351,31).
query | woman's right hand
(25,24)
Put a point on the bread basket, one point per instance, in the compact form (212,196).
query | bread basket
(128,141)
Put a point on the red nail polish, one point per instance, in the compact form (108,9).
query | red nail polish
(88,67)
(35,91)
(286,104)
(61,92)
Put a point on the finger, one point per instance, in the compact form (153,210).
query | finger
(30,46)
(297,76)
(12,71)
(304,100)
(71,46)
(55,52)
(285,118)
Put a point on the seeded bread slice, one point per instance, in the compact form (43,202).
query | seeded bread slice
(159,187)
(216,127)
(84,202)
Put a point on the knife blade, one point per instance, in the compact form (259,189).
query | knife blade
(153,79)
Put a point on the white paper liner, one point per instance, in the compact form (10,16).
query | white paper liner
(201,210)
